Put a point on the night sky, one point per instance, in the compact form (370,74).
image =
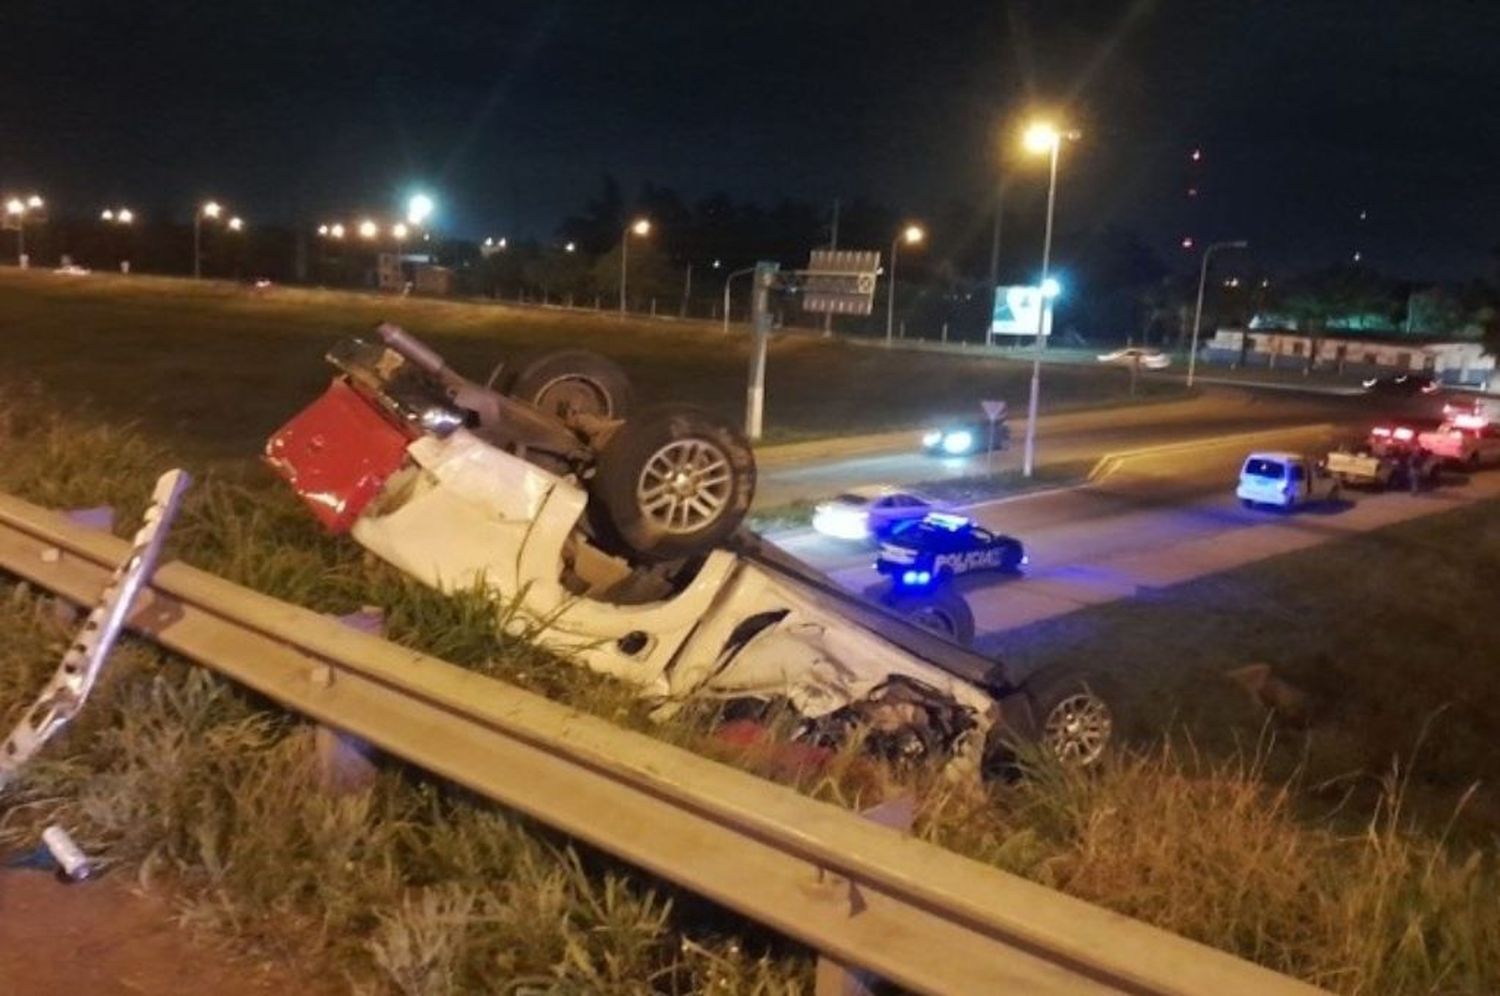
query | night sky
(1307,112)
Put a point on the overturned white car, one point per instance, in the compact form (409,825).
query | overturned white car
(614,537)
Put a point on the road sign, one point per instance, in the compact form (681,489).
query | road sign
(1017,310)
(840,282)
(993,410)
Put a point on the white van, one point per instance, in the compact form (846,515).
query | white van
(1285,480)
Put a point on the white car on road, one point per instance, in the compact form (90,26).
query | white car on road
(1286,480)
(870,512)
(1151,359)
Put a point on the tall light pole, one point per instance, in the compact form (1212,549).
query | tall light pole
(911,235)
(1038,138)
(641,227)
(1198,311)
(212,210)
(18,208)
(727,280)
(122,217)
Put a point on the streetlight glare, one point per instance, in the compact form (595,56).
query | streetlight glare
(337,231)
(570,247)
(368,229)
(236,223)
(913,234)
(1041,136)
(322,229)
(419,208)
(15,206)
(125,216)
(1051,288)
(106,215)
(641,226)
(34,201)
(398,231)
(212,209)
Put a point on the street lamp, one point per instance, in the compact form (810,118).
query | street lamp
(368,229)
(118,216)
(1198,311)
(912,235)
(18,209)
(336,231)
(1040,138)
(209,209)
(419,208)
(641,227)
(571,247)
(399,231)
(236,223)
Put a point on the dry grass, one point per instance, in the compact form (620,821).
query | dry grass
(417,888)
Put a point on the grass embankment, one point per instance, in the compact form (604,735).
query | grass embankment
(213,367)
(416,888)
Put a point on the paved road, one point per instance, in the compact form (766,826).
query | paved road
(1155,522)
(1067,438)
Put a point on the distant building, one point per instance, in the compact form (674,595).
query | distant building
(1451,361)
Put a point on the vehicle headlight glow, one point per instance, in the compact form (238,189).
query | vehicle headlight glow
(959,442)
(932,438)
(841,523)
(915,578)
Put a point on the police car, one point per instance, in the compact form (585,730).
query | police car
(941,546)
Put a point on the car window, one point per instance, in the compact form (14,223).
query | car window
(1296,472)
(981,535)
(846,499)
(1269,469)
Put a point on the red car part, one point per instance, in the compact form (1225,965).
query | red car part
(337,453)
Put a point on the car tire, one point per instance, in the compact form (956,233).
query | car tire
(573,382)
(674,481)
(1071,714)
(1010,560)
(939,609)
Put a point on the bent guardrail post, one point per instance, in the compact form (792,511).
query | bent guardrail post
(84,659)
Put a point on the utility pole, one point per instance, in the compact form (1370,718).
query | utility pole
(833,243)
(989,324)
(687,289)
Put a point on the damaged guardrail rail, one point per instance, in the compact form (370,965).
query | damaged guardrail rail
(861,894)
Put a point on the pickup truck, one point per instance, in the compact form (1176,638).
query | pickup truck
(612,538)
(1469,440)
(1388,456)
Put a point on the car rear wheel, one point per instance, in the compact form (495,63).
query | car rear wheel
(674,481)
(939,609)
(573,382)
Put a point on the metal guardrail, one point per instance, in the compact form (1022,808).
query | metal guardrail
(915,914)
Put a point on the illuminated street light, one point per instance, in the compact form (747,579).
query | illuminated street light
(336,231)
(368,229)
(212,209)
(236,224)
(1042,137)
(106,215)
(323,230)
(641,227)
(571,247)
(208,209)
(419,208)
(1198,311)
(399,231)
(124,216)
(912,235)
(18,208)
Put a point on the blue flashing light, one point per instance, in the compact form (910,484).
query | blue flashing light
(944,520)
(915,579)
(956,443)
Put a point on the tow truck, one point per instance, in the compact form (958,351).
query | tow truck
(1467,438)
(613,537)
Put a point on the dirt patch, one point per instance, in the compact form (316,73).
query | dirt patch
(104,939)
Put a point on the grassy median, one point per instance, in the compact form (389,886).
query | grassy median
(215,367)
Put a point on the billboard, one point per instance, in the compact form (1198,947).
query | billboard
(1016,312)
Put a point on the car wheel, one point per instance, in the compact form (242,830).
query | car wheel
(674,481)
(1010,561)
(573,382)
(939,609)
(1070,715)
